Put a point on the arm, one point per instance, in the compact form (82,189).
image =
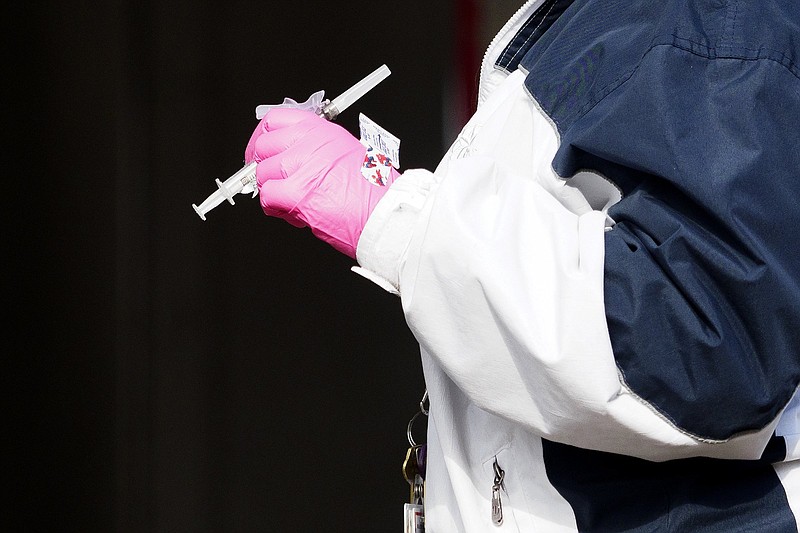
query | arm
(673,334)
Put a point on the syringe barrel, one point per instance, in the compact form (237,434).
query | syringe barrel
(248,171)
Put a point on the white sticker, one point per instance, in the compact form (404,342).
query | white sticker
(413,518)
(372,135)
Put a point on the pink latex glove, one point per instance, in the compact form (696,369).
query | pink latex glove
(309,175)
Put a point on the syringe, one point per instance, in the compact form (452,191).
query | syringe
(244,180)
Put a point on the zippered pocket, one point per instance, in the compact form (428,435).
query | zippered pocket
(500,487)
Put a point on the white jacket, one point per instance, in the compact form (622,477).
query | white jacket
(500,265)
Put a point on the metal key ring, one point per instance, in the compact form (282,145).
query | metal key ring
(422,411)
(411,440)
(422,402)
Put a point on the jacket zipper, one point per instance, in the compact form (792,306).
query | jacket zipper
(500,35)
(497,486)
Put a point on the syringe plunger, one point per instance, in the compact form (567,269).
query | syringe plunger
(242,181)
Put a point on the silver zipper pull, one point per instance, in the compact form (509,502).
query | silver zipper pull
(497,504)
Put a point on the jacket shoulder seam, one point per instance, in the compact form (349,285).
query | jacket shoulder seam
(701,50)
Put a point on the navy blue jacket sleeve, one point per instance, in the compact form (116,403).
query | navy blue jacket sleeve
(702,280)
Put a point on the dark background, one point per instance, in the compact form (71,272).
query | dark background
(169,374)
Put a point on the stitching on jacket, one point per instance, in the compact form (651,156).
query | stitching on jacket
(500,61)
(544,17)
(710,53)
(730,52)
(664,416)
(729,33)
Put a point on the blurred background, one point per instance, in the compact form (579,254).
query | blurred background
(170,374)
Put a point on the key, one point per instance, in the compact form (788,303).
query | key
(418,490)
(422,458)
(411,468)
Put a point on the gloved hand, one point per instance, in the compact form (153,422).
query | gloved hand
(309,175)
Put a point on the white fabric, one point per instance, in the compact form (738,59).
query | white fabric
(789,428)
(789,474)
(499,264)
(502,283)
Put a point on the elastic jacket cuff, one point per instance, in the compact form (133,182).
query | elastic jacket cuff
(384,242)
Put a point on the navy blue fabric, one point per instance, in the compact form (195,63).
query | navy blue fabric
(692,109)
(530,32)
(614,493)
(775,452)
